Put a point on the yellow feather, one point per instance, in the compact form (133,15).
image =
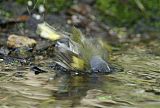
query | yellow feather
(78,63)
(48,32)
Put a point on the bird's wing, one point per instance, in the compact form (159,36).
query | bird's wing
(48,32)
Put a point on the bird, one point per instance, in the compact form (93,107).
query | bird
(76,52)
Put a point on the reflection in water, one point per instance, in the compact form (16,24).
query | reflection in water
(73,88)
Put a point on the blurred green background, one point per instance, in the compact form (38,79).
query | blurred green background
(117,12)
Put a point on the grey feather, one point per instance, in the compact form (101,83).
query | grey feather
(99,65)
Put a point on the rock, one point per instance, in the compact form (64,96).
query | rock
(4,51)
(15,41)
(22,52)
(82,9)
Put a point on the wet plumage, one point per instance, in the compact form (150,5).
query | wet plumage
(76,52)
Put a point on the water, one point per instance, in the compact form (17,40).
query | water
(138,86)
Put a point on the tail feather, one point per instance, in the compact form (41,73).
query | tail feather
(48,32)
